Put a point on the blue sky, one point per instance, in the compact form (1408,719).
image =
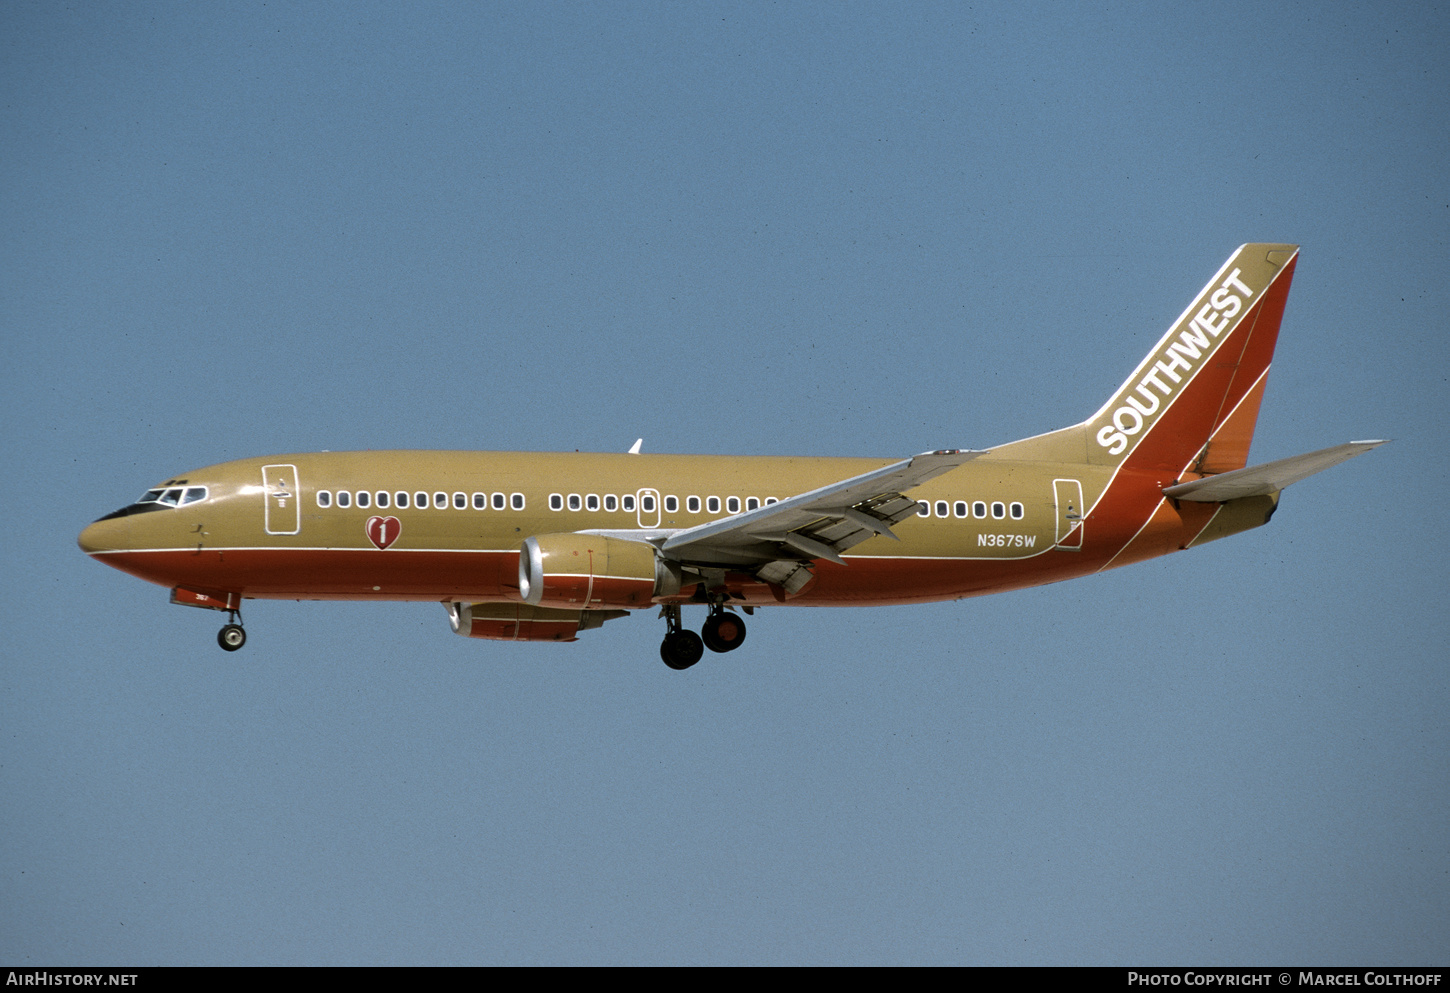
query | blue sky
(245,229)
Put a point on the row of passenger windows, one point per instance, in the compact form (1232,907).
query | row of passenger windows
(977,509)
(647,503)
(609,502)
(402,499)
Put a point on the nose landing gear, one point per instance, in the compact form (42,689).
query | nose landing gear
(232,636)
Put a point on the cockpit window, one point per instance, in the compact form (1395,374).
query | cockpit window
(173,496)
(161,498)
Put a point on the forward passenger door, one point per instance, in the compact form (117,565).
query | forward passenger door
(283,495)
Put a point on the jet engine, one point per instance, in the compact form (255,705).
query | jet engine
(521,622)
(591,571)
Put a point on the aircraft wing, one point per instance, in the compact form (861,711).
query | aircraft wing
(1261,480)
(820,524)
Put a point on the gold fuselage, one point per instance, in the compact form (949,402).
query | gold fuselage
(275,527)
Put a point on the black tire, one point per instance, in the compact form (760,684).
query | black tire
(231,637)
(723,632)
(681,649)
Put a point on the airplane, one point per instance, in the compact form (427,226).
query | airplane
(523,546)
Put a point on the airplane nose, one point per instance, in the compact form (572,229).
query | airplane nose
(103,536)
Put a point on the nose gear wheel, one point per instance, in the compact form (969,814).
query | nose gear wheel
(232,636)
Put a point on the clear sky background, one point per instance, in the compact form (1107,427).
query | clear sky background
(864,229)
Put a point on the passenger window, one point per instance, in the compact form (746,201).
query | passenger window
(1017,511)
(440,501)
(672,504)
(611,502)
(574,502)
(999,510)
(518,501)
(556,501)
(752,503)
(979,509)
(941,508)
(364,498)
(382,498)
(480,501)
(460,501)
(344,498)
(732,505)
(647,503)
(499,501)
(400,500)
(324,498)
(960,509)
(923,509)
(770,500)
(420,500)
(626,503)
(591,502)
(692,504)
(712,504)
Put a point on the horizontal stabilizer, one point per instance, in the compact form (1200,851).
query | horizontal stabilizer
(1261,480)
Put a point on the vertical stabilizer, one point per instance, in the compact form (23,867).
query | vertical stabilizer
(1192,403)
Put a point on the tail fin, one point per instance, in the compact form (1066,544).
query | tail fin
(1193,401)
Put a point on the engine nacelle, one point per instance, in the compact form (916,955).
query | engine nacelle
(589,571)
(521,622)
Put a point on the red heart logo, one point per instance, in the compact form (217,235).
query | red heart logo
(383,531)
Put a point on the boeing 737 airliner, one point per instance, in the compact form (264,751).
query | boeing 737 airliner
(540,547)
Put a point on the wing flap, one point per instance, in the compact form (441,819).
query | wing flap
(1261,480)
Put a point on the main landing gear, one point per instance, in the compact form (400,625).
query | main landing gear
(232,636)
(723,632)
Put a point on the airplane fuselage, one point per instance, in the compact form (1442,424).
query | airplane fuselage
(447,526)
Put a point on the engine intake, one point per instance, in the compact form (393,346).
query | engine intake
(589,571)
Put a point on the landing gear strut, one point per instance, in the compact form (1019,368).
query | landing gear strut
(680,649)
(232,636)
